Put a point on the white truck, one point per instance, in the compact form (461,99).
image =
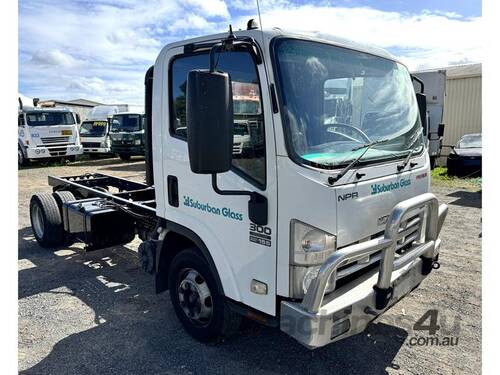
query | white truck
(46,133)
(94,131)
(434,84)
(330,227)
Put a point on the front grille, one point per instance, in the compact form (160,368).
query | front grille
(410,229)
(57,151)
(52,140)
(91,144)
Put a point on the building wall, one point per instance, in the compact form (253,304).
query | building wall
(462,110)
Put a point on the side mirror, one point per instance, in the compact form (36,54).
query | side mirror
(422,108)
(209,115)
(441,130)
(77,118)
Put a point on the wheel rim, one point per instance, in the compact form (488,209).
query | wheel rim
(37,220)
(195,298)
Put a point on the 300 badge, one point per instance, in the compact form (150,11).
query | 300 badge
(260,234)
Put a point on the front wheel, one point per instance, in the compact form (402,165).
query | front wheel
(124,157)
(21,159)
(198,304)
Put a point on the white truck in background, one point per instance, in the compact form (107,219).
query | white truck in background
(434,84)
(94,130)
(46,133)
(332,224)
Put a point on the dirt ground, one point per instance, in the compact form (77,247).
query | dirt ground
(96,312)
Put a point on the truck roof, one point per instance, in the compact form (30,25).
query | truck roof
(269,34)
(45,109)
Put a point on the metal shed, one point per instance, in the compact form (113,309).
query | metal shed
(462,103)
(463,106)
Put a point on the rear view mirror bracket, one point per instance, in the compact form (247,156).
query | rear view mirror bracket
(257,204)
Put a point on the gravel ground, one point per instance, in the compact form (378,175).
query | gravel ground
(96,312)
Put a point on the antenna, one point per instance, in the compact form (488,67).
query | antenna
(260,23)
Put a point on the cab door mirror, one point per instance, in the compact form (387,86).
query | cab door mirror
(441,130)
(422,108)
(77,117)
(209,116)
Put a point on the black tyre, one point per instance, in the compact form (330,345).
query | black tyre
(124,157)
(46,220)
(61,197)
(433,162)
(199,306)
(21,159)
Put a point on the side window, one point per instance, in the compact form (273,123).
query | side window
(249,143)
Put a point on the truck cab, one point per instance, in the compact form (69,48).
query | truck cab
(94,131)
(47,133)
(329,224)
(127,134)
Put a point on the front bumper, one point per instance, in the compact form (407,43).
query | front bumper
(42,152)
(127,149)
(319,320)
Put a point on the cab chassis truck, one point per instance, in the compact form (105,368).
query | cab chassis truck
(341,226)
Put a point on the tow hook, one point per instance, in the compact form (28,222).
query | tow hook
(428,264)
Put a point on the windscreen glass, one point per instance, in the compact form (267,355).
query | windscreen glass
(93,128)
(49,118)
(337,100)
(126,123)
(470,141)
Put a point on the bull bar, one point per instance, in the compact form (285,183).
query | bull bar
(368,299)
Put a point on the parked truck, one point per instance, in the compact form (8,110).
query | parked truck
(330,227)
(127,134)
(94,131)
(46,133)
(435,90)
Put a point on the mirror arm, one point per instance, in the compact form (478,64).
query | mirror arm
(257,205)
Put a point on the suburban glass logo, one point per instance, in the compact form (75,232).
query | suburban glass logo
(383,188)
(206,207)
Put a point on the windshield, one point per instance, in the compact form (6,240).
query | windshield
(127,123)
(470,141)
(93,128)
(49,118)
(336,100)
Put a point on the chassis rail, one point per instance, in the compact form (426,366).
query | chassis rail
(132,194)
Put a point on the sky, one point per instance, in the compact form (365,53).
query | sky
(101,49)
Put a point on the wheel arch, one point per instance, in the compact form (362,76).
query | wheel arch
(178,238)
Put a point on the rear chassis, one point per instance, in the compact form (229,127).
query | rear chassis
(107,210)
(320,319)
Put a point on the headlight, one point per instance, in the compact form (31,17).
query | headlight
(309,245)
(309,248)
(137,142)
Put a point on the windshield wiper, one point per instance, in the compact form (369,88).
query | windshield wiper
(406,161)
(366,146)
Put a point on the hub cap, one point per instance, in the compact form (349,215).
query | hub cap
(195,297)
(38,222)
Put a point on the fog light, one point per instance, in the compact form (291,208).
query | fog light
(37,152)
(42,151)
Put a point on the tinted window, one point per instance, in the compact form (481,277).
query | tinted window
(249,145)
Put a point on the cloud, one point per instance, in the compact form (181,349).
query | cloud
(101,49)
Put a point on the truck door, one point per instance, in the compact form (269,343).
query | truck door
(241,250)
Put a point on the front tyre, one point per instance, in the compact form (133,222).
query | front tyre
(46,220)
(21,159)
(198,304)
(124,157)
